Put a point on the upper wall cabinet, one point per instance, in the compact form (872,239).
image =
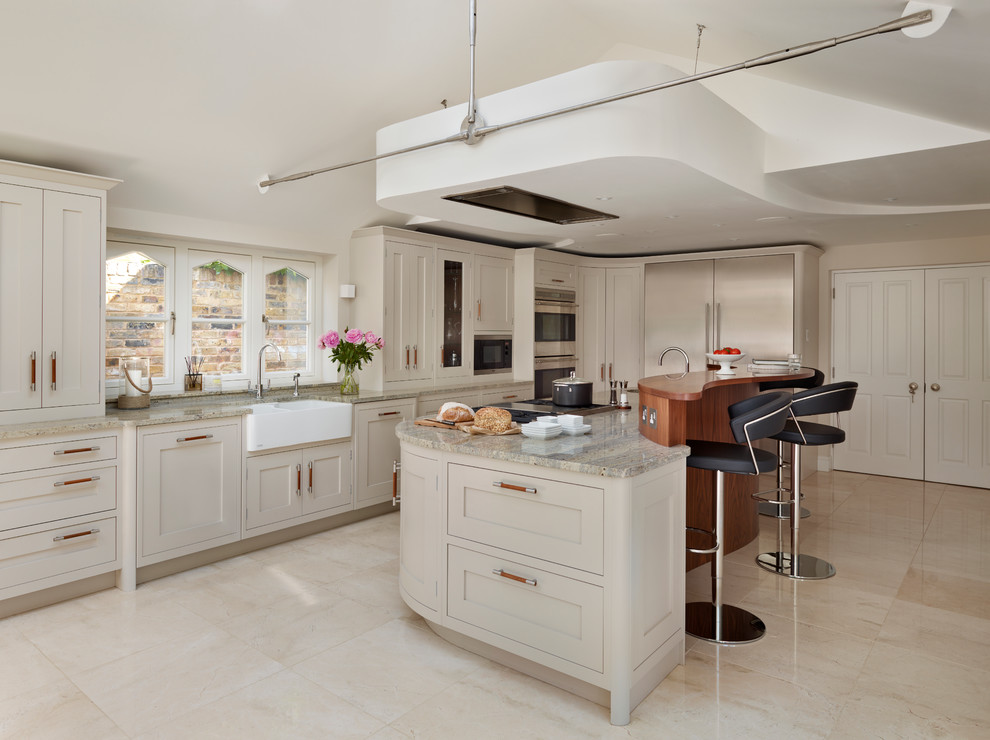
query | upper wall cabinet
(424,294)
(493,290)
(52,247)
(549,274)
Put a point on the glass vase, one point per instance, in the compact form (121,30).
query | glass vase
(349,384)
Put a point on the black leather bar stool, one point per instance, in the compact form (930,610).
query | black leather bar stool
(750,419)
(780,507)
(827,399)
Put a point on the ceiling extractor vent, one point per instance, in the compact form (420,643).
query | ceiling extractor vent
(522,203)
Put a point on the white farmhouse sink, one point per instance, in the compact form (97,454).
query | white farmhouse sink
(285,423)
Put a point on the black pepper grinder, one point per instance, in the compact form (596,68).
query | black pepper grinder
(612,400)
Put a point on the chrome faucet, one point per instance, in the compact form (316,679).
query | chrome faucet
(687,361)
(295,384)
(261,364)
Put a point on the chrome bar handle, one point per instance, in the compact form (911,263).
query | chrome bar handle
(407,357)
(91,479)
(61,537)
(94,448)
(193,439)
(388,413)
(309,489)
(708,328)
(53,370)
(299,479)
(415,356)
(511,487)
(34,371)
(511,577)
(396,496)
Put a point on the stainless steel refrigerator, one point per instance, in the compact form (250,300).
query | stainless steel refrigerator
(701,305)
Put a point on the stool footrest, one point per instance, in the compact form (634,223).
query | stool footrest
(706,532)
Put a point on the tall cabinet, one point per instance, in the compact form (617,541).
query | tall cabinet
(610,320)
(52,247)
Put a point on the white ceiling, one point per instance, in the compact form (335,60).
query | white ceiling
(191,102)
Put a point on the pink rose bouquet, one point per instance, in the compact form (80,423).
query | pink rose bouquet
(353,349)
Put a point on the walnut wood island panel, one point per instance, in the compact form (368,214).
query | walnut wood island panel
(678,407)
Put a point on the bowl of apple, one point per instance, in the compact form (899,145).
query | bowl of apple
(725,357)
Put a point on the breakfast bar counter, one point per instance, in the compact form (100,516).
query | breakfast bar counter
(676,408)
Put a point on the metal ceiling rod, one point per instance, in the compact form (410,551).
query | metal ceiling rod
(472,134)
(471,122)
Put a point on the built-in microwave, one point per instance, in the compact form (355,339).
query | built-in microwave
(492,354)
(556,323)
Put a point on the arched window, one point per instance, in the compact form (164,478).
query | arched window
(217,301)
(139,307)
(288,314)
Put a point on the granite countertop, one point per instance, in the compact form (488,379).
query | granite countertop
(200,405)
(613,448)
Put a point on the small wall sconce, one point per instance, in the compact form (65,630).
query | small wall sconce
(347,291)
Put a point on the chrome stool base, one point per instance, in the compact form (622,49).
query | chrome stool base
(725,624)
(779,511)
(807,567)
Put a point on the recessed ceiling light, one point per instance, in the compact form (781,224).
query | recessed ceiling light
(603,197)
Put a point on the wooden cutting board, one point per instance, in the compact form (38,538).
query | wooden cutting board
(466,426)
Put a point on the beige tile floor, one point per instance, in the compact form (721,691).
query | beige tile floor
(310,639)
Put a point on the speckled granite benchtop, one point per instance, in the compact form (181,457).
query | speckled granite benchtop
(613,448)
(196,406)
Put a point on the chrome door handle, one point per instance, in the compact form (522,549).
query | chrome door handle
(935,387)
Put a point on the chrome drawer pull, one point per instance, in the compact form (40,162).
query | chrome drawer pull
(193,439)
(509,486)
(520,579)
(61,537)
(73,452)
(74,482)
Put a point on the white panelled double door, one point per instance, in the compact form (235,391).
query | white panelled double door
(918,343)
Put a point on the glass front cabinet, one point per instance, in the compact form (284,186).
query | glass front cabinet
(454,314)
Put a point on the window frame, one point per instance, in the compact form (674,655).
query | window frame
(166,257)
(181,258)
(309,271)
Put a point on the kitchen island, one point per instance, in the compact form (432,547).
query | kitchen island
(675,408)
(561,558)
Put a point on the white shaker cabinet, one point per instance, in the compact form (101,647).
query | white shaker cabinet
(376,447)
(189,488)
(493,294)
(52,246)
(610,316)
(419,558)
(296,486)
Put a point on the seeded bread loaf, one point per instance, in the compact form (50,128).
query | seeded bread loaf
(493,419)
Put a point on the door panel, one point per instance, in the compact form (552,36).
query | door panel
(878,328)
(678,309)
(624,312)
(957,392)
(754,305)
(20,296)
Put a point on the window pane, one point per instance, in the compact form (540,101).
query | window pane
(286,296)
(217,292)
(220,344)
(287,300)
(135,286)
(135,339)
(294,341)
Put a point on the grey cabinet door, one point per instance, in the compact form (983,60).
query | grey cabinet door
(678,304)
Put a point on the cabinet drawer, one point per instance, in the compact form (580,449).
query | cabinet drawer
(58,551)
(33,457)
(549,613)
(26,500)
(546,519)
